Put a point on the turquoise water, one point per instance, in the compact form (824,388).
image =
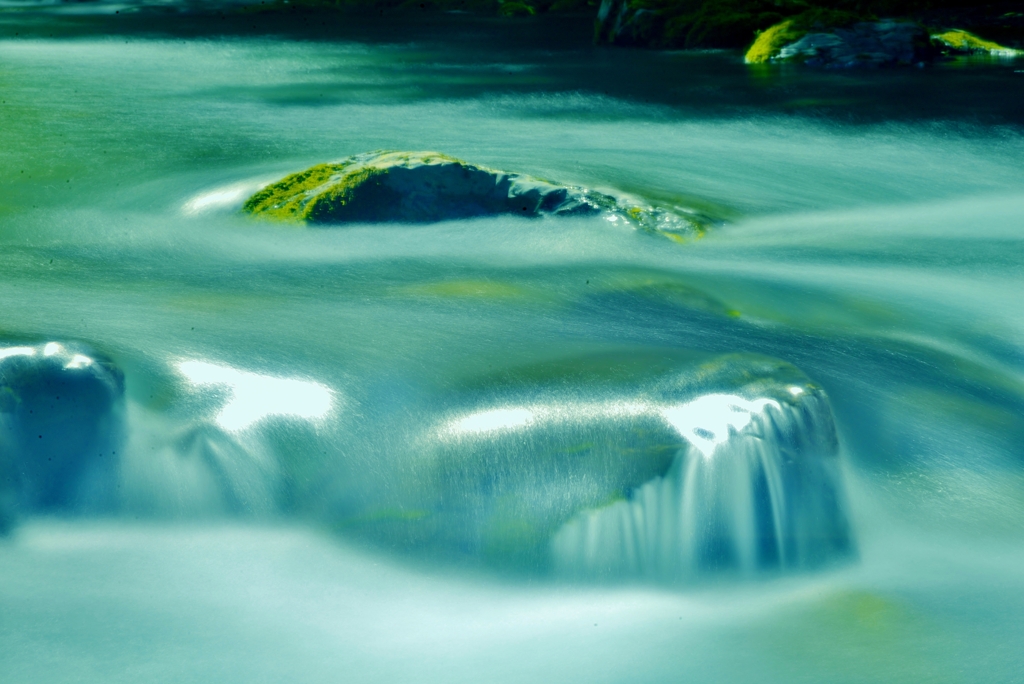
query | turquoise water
(873,242)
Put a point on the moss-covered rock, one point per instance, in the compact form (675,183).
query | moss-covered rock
(414,187)
(764,26)
(962,42)
(862,44)
(418,187)
(770,41)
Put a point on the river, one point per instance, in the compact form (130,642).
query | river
(868,228)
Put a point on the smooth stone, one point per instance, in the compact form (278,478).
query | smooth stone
(503,477)
(61,424)
(422,187)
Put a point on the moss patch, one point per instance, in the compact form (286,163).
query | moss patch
(425,187)
(770,41)
(286,199)
(962,41)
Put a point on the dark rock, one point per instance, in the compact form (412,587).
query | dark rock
(619,23)
(421,187)
(61,424)
(882,43)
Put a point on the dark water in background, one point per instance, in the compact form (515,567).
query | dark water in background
(872,237)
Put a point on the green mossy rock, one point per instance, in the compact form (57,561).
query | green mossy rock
(961,42)
(863,43)
(770,41)
(414,187)
(423,187)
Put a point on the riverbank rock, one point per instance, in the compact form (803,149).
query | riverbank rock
(872,44)
(422,187)
(61,424)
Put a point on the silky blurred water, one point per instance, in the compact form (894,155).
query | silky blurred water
(882,255)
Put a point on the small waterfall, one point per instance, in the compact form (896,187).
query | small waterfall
(728,466)
(761,497)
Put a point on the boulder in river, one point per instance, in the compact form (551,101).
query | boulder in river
(61,423)
(864,44)
(723,466)
(421,187)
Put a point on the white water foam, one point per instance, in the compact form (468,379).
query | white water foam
(766,498)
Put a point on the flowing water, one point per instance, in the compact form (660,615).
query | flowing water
(322,424)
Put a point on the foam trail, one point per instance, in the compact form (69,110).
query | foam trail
(766,498)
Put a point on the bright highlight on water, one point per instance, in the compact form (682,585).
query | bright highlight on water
(254,397)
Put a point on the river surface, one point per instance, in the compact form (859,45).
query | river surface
(868,228)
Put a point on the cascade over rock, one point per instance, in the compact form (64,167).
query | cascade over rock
(725,466)
(61,424)
(420,187)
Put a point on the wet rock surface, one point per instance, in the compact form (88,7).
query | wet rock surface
(423,187)
(727,466)
(866,44)
(61,424)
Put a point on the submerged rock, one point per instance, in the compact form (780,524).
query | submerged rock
(61,423)
(880,43)
(729,466)
(418,187)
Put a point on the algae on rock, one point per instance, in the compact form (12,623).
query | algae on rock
(865,43)
(422,187)
(966,43)
(770,41)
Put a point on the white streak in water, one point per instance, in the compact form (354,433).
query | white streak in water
(222,198)
(16,351)
(497,419)
(254,397)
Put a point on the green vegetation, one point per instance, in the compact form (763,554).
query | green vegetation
(769,42)
(325,190)
(288,198)
(962,41)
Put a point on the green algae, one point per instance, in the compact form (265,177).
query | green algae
(316,192)
(962,41)
(770,41)
(286,199)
